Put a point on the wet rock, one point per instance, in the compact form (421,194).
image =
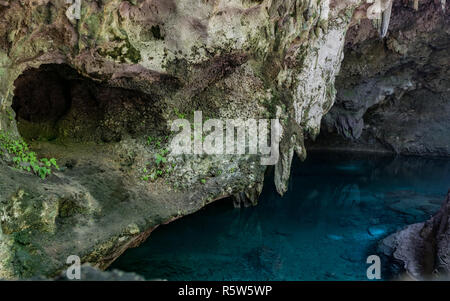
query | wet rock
(422,249)
(411,204)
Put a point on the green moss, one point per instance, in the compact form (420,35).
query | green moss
(133,54)
(123,53)
(91,25)
(69,207)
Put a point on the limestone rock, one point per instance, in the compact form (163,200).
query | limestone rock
(98,91)
(392,94)
(423,249)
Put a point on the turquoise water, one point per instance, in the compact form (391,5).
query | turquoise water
(336,210)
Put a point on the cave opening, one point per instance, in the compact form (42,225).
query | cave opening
(55,103)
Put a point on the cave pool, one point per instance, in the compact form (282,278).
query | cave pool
(336,210)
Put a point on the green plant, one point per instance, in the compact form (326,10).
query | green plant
(23,158)
(156,142)
(179,115)
(160,159)
(158,167)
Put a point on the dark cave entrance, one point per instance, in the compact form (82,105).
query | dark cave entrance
(54,102)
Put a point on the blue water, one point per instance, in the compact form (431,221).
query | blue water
(336,210)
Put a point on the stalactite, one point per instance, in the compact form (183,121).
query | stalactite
(380,13)
(385,19)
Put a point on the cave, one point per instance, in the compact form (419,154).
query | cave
(56,103)
(90,182)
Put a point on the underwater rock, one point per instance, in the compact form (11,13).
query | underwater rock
(334,237)
(422,249)
(247,198)
(376,231)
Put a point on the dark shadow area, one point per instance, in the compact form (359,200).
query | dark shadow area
(55,102)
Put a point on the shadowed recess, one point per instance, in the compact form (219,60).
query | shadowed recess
(54,102)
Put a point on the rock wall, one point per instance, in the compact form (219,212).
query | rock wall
(98,94)
(392,93)
(422,250)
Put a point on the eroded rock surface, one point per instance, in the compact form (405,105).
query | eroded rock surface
(393,93)
(99,93)
(423,249)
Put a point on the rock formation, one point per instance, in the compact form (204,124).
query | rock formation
(423,249)
(98,92)
(94,85)
(393,93)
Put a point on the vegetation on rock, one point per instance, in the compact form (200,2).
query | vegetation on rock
(23,158)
